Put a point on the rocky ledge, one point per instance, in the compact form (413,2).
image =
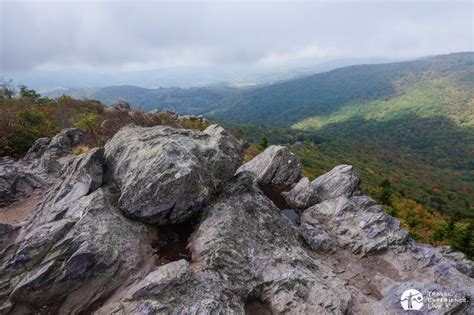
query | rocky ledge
(167,221)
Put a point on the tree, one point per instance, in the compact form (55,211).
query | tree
(239,134)
(467,240)
(386,193)
(452,222)
(31,95)
(263,143)
(87,122)
(7,91)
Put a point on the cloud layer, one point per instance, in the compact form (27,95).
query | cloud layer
(122,35)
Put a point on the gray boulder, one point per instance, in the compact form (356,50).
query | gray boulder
(63,143)
(357,223)
(165,175)
(77,249)
(40,166)
(121,106)
(79,177)
(258,252)
(7,235)
(178,289)
(276,166)
(458,260)
(316,237)
(16,181)
(340,181)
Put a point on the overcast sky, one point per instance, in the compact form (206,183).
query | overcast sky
(39,35)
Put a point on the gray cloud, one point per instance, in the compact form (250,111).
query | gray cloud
(115,35)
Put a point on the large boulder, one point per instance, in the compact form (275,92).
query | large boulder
(15,181)
(121,106)
(342,180)
(39,168)
(65,141)
(79,177)
(276,166)
(77,249)
(245,256)
(357,223)
(177,289)
(165,175)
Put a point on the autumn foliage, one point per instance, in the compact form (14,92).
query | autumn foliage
(26,116)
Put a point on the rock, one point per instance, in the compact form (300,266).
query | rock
(79,177)
(15,181)
(357,223)
(340,181)
(458,260)
(165,175)
(291,215)
(39,167)
(64,142)
(77,249)
(121,106)
(302,195)
(316,237)
(7,235)
(246,240)
(40,146)
(276,166)
(177,289)
(80,253)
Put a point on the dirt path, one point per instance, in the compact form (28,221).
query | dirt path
(19,210)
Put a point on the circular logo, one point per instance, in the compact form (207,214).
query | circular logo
(411,299)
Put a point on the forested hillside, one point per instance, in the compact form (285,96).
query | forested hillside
(192,101)
(366,87)
(407,127)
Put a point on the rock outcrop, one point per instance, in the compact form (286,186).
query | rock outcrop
(40,166)
(358,223)
(276,167)
(160,222)
(165,175)
(340,181)
(121,106)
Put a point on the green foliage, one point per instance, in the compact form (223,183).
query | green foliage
(194,123)
(87,122)
(263,143)
(30,125)
(31,95)
(386,193)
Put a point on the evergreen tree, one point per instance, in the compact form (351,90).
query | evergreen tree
(263,143)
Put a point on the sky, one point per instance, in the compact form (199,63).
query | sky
(112,38)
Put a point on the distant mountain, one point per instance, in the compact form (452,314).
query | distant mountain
(420,106)
(410,122)
(239,75)
(183,101)
(221,84)
(362,89)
